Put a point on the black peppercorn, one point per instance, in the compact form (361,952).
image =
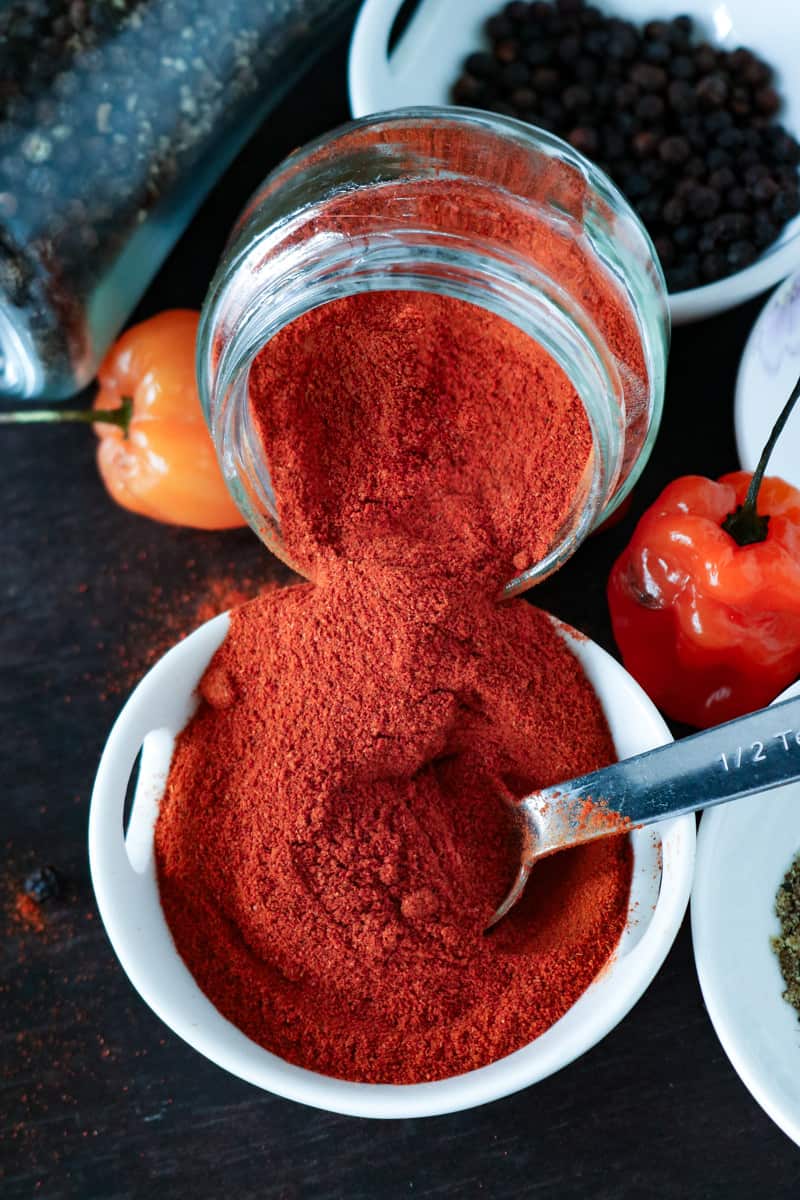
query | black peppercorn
(584,139)
(513,76)
(635,185)
(740,101)
(553,109)
(468,90)
(682,277)
(682,67)
(621,45)
(712,266)
(767,101)
(712,91)
(705,58)
(722,179)
(764,190)
(499,27)
(740,255)
(657,52)
(785,205)
(704,202)
(523,98)
(729,226)
(507,51)
(747,158)
(586,70)
(648,77)
(545,80)
(649,209)
(645,143)
(757,73)
(596,42)
(626,96)
(650,108)
(674,150)
(673,211)
(576,98)
(718,159)
(764,230)
(686,130)
(613,145)
(716,121)
(730,139)
(681,97)
(43,884)
(737,199)
(655,170)
(516,10)
(537,54)
(694,168)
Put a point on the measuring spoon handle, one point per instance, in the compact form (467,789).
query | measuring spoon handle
(751,754)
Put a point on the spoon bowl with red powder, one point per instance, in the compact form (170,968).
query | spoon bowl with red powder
(132,907)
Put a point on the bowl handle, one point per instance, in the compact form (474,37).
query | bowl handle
(370,66)
(156,711)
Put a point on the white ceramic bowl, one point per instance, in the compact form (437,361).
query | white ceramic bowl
(125,885)
(767,373)
(428,58)
(743,852)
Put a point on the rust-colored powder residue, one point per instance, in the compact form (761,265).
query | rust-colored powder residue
(168,616)
(596,818)
(29,912)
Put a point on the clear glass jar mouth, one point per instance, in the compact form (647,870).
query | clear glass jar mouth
(428,260)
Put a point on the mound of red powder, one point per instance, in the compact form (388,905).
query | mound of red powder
(332,840)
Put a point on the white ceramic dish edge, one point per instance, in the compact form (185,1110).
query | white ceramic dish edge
(758,1030)
(125,886)
(768,371)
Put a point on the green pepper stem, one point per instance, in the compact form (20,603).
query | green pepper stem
(744,524)
(90,416)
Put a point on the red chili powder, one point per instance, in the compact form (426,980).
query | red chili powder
(415,427)
(332,840)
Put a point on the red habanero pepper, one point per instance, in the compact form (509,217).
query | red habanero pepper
(705,600)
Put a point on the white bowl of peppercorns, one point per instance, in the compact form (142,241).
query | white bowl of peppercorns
(693,114)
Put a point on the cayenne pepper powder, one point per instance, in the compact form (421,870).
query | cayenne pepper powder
(332,840)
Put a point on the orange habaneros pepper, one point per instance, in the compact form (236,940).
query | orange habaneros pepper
(705,600)
(165,465)
(154,454)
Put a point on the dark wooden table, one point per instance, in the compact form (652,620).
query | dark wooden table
(99,1100)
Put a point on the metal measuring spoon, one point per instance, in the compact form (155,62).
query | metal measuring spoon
(748,755)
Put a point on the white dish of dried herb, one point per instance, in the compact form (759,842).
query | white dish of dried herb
(745,851)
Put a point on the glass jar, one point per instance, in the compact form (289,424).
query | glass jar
(116,117)
(521,225)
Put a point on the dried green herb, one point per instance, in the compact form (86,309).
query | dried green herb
(787,944)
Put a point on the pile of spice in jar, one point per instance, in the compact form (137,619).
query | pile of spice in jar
(334,836)
(689,131)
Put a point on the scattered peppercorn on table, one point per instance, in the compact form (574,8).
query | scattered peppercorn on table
(100,1099)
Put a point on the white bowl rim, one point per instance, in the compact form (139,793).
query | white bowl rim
(367,55)
(743,1062)
(118,891)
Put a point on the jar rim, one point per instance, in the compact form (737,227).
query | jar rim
(248,246)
